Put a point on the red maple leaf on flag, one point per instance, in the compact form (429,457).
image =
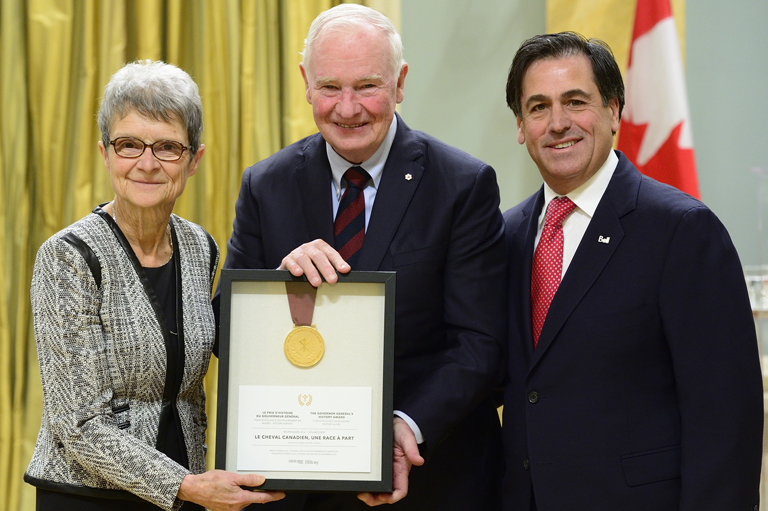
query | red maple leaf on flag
(666,163)
(655,132)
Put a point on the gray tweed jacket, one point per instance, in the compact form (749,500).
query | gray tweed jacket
(101,346)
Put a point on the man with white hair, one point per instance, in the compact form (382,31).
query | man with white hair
(422,209)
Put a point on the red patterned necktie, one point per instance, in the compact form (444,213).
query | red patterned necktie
(349,227)
(548,262)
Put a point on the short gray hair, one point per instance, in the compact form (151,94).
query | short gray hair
(346,17)
(156,90)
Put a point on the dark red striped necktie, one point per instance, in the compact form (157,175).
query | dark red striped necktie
(349,227)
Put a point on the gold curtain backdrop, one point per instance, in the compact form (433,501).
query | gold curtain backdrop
(56,56)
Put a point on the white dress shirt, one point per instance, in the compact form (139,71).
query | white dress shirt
(586,197)
(373,165)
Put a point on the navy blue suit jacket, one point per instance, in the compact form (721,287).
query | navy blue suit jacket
(645,390)
(436,222)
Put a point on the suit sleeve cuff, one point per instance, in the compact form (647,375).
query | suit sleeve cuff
(412,425)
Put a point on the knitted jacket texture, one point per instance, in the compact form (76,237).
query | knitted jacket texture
(102,354)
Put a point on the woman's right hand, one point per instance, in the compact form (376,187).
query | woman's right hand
(219,490)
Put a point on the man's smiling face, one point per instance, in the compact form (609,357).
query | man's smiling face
(353,91)
(563,123)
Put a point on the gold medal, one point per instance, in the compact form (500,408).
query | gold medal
(304,346)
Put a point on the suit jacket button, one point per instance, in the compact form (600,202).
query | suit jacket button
(526,464)
(756,508)
(533,397)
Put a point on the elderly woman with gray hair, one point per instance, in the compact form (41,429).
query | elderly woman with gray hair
(123,323)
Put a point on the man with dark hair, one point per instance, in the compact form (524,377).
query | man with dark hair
(427,211)
(633,374)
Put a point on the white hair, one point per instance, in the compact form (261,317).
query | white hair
(347,17)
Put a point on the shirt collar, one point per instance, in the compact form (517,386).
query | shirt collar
(587,196)
(373,165)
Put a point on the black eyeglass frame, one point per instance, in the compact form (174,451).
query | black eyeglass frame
(151,146)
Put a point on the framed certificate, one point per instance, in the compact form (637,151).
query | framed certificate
(305,380)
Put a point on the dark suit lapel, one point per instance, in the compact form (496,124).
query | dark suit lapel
(399,180)
(593,252)
(313,178)
(526,233)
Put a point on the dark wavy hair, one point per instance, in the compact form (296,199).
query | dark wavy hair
(566,44)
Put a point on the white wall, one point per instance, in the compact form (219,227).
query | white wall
(459,53)
(727,78)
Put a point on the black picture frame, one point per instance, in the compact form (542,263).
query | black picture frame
(253,315)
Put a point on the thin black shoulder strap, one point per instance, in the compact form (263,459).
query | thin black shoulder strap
(90,258)
(214,252)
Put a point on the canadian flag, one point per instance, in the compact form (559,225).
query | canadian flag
(655,132)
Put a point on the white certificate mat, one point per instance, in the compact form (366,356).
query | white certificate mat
(304,429)
(269,409)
